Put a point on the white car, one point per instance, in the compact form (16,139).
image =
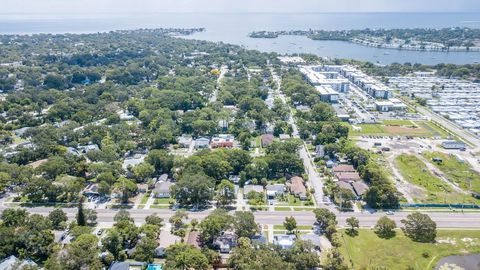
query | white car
(390,213)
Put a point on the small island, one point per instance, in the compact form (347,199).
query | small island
(446,39)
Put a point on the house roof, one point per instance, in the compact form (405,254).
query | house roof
(267,139)
(163,177)
(9,262)
(313,238)
(360,188)
(162,187)
(285,240)
(344,168)
(248,188)
(275,187)
(297,186)
(127,266)
(202,140)
(345,185)
(347,176)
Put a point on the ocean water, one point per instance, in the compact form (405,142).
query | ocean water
(234,28)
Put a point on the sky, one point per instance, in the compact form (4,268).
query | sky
(140,6)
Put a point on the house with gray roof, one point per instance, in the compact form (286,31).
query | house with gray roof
(275,190)
(162,189)
(249,188)
(13,263)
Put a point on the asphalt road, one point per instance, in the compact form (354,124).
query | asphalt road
(443,219)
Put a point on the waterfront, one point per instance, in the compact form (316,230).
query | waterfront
(226,28)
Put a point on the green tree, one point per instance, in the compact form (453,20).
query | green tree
(178,219)
(143,171)
(354,224)
(420,227)
(161,160)
(324,218)
(122,215)
(290,224)
(153,219)
(145,250)
(385,227)
(225,194)
(58,218)
(334,261)
(213,225)
(183,257)
(113,243)
(244,224)
(12,217)
(193,189)
(126,187)
(81,220)
(80,254)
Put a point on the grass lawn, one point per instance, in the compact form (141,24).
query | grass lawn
(281,227)
(290,200)
(415,171)
(456,171)
(399,252)
(163,200)
(399,128)
(283,208)
(398,122)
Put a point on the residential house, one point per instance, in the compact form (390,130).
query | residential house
(275,190)
(284,137)
(345,185)
(21,131)
(344,168)
(133,161)
(249,188)
(297,188)
(91,190)
(225,242)
(87,148)
(162,189)
(184,141)
(222,141)
(202,143)
(162,178)
(127,265)
(13,263)
(319,151)
(266,139)
(73,151)
(258,240)
(314,239)
(284,241)
(360,188)
(348,176)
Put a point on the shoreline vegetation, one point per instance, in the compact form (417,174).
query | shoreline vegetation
(442,40)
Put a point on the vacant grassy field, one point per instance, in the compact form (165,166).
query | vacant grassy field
(456,171)
(399,128)
(368,250)
(415,171)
